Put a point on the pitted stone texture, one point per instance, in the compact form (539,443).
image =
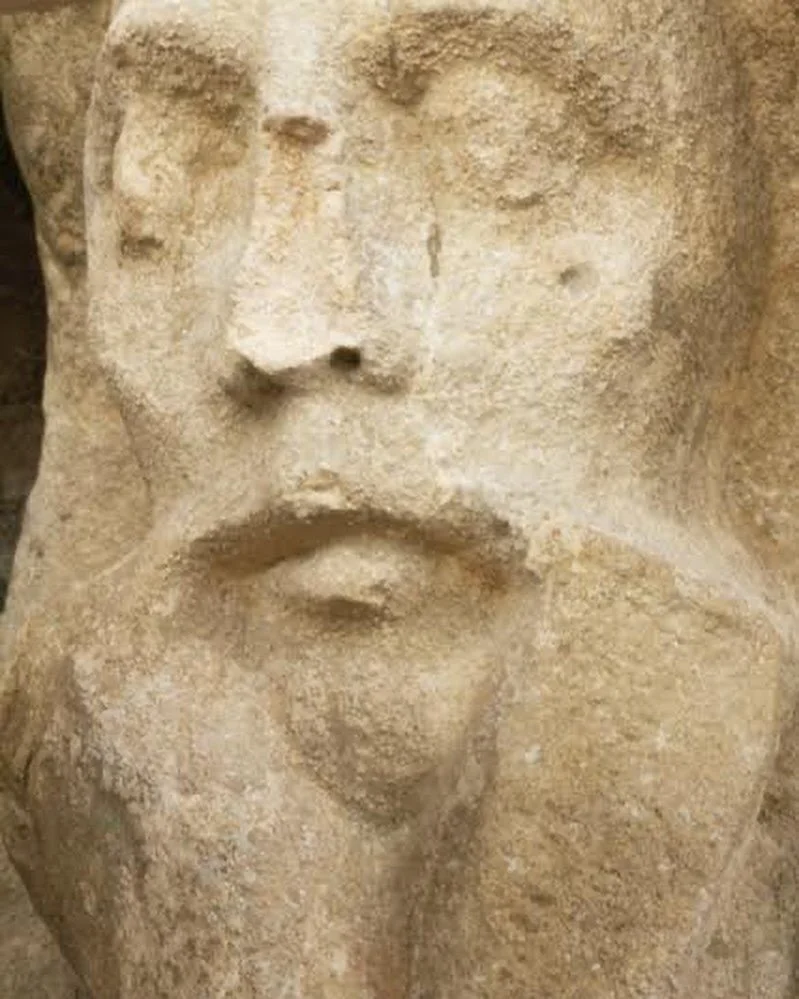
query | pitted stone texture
(425,662)
(81,522)
(22,347)
(762,423)
(32,967)
(608,838)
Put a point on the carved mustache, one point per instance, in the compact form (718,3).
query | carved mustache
(306,519)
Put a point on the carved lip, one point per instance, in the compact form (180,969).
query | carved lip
(301,523)
(358,578)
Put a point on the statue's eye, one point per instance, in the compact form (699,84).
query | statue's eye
(150,187)
(171,172)
(500,138)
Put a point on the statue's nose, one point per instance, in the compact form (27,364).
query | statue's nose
(308,356)
(302,312)
(301,354)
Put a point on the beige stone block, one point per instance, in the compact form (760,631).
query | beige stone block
(405,605)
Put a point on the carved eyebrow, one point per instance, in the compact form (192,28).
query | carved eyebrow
(617,94)
(181,62)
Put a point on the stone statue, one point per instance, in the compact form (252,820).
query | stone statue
(428,666)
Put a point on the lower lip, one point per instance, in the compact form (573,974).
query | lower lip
(356,577)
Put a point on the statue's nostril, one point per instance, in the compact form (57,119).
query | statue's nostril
(243,381)
(345,359)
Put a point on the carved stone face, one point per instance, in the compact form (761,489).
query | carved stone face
(485,245)
(379,288)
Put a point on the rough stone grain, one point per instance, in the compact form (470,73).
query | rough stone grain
(425,627)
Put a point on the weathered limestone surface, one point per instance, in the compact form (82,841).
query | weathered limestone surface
(406,604)
(22,352)
(31,966)
(27,6)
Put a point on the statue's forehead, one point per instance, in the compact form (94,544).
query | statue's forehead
(218,45)
(247,25)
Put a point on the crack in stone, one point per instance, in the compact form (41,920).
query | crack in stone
(434,245)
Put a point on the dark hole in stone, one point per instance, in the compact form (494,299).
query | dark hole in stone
(345,359)
(23,335)
(579,279)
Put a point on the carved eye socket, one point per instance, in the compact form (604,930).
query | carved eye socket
(500,138)
(171,174)
(150,187)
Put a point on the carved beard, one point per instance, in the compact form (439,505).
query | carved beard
(151,775)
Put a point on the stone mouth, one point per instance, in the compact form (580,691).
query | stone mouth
(299,525)
(362,577)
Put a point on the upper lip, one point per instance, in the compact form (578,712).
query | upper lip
(305,520)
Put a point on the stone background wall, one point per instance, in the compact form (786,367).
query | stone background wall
(30,964)
(22,356)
